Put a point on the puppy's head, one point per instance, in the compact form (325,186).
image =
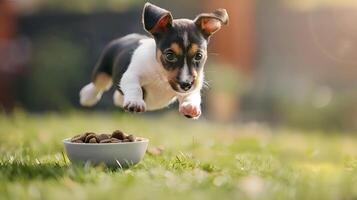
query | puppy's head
(182,43)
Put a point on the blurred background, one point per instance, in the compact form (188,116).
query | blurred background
(282,62)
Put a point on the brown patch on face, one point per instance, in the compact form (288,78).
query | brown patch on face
(198,76)
(103,81)
(194,73)
(158,55)
(176,48)
(193,49)
(171,77)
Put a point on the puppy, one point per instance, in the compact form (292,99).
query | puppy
(150,73)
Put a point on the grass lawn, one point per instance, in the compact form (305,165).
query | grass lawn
(201,160)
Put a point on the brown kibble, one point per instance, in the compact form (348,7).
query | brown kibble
(118,135)
(93,140)
(75,138)
(90,136)
(114,140)
(79,137)
(106,141)
(131,138)
(103,137)
(82,137)
(88,133)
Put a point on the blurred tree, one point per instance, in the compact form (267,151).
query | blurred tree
(58,67)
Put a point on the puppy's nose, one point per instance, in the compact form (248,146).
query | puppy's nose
(186,85)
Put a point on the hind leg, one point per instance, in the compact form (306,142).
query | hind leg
(118,99)
(92,93)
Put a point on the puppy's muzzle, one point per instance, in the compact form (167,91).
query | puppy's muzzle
(185,86)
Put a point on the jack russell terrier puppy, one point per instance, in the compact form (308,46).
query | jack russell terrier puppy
(150,73)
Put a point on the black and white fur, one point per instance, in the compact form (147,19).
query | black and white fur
(149,73)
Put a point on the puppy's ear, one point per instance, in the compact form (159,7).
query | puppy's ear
(156,19)
(210,23)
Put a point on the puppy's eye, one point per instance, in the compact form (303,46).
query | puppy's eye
(170,57)
(198,56)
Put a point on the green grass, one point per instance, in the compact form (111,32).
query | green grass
(201,160)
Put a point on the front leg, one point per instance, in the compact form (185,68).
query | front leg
(190,105)
(133,94)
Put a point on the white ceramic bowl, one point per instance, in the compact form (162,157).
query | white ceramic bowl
(120,155)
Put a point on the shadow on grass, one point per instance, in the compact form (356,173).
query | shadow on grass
(21,171)
(18,171)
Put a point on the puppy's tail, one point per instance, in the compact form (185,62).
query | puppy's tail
(90,95)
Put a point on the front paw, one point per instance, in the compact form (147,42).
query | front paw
(136,106)
(190,110)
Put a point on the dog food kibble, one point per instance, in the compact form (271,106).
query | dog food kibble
(78,138)
(93,140)
(116,137)
(119,135)
(103,137)
(131,138)
(106,141)
(89,137)
(114,140)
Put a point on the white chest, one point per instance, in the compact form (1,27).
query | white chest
(158,94)
(144,67)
